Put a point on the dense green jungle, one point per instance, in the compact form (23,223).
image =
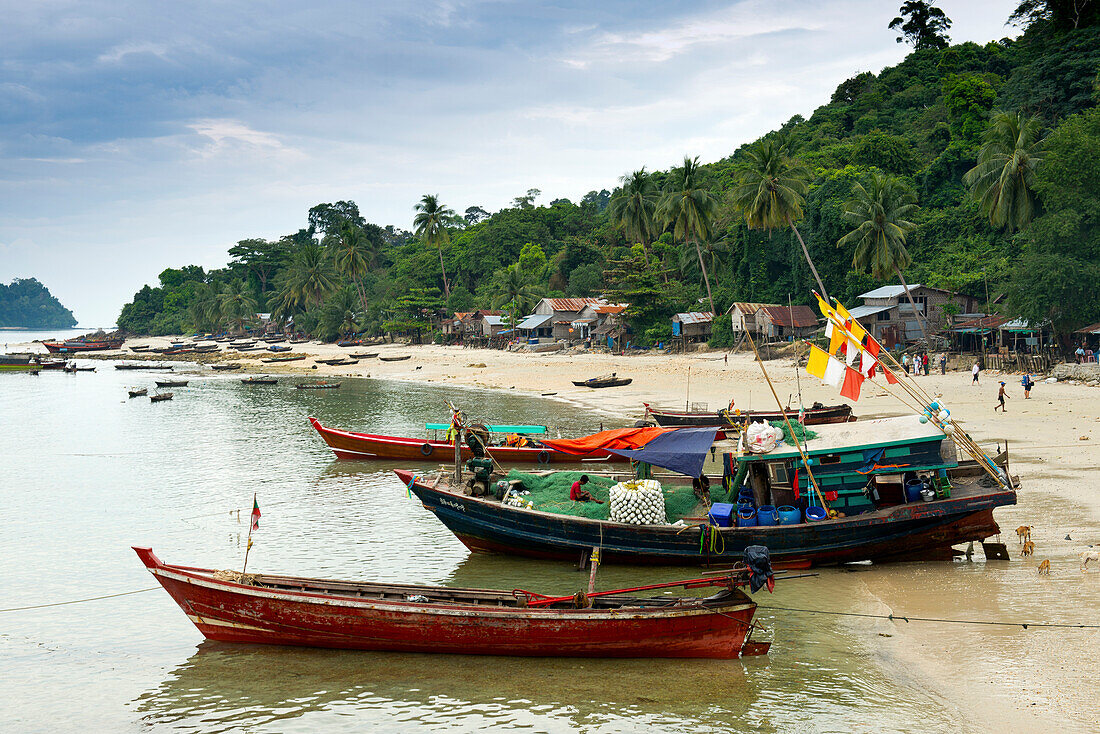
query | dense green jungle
(968,167)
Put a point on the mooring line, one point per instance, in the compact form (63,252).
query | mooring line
(903,618)
(78,601)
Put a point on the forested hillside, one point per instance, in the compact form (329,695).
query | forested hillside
(27,304)
(967,166)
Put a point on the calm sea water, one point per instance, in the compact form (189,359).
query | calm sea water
(86,473)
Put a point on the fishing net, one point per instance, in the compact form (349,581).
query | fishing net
(550,493)
(800,431)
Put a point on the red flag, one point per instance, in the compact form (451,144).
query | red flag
(853,381)
(890,376)
(255,513)
(794,484)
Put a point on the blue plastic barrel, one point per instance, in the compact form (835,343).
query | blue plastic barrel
(789,515)
(912,490)
(746,517)
(765,515)
(816,514)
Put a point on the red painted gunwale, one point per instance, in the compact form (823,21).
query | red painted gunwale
(350,445)
(342,619)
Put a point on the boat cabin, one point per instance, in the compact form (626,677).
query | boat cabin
(502,435)
(860,466)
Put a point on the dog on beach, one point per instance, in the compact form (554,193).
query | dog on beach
(1023,533)
(1044,567)
(1089,555)
(1029,548)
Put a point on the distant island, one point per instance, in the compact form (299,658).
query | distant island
(27,304)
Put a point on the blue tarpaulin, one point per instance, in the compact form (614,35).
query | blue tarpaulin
(683,450)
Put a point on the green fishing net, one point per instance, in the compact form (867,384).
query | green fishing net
(550,493)
(804,434)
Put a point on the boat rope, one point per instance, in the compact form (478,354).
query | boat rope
(904,618)
(79,601)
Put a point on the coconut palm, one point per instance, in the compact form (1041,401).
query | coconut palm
(237,305)
(342,313)
(770,190)
(1002,180)
(879,211)
(307,280)
(516,291)
(634,206)
(205,309)
(351,256)
(689,209)
(431,227)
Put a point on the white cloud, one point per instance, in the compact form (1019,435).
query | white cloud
(118,53)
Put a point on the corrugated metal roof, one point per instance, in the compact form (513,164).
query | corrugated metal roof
(695,317)
(611,308)
(748,307)
(494,320)
(985,322)
(799,317)
(1090,329)
(860,312)
(573,304)
(534,321)
(889,291)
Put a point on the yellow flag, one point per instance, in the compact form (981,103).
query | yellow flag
(825,307)
(836,339)
(818,360)
(857,331)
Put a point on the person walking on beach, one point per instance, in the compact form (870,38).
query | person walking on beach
(974,371)
(905,363)
(1001,399)
(1028,383)
(943,363)
(924,361)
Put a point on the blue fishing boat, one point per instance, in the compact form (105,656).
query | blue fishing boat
(888,489)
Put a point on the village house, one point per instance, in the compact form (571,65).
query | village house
(743,316)
(693,326)
(785,323)
(563,312)
(888,315)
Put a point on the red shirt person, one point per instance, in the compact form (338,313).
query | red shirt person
(577,493)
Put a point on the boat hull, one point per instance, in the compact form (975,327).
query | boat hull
(231,612)
(73,346)
(813,417)
(922,531)
(349,445)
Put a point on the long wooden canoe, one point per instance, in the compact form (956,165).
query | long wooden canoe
(287,610)
(350,445)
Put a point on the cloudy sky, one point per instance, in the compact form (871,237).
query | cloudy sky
(136,136)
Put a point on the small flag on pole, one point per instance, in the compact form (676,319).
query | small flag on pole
(255,514)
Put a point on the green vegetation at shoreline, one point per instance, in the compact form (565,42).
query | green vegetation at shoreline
(987,155)
(27,304)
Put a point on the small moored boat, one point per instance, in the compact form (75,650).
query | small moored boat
(172,383)
(395,359)
(138,392)
(225,366)
(260,380)
(160,397)
(287,610)
(816,415)
(317,385)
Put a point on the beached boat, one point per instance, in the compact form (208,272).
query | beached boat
(605,381)
(260,380)
(395,359)
(141,366)
(347,615)
(288,358)
(277,348)
(815,415)
(140,348)
(225,366)
(172,383)
(338,362)
(160,397)
(352,445)
(865,469)
(363,355)
(349,343)
(317,385)
(18,363)
(82,345)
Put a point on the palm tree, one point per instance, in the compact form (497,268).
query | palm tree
(769,192)
(307,280)
(237,305)
(516,291)
(879,213)
(689,209)
(351,257)
(634,206)
(342,313)
(1003,179)
(431,227)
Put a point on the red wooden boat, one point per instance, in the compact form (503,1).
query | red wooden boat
(82,345)
(350,445)
(286,610)
(816,415)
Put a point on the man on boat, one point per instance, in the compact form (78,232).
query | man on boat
(577,493)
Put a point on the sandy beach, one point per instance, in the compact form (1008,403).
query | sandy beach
(1007,678)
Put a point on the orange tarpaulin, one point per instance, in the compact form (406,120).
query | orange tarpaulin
(619,438)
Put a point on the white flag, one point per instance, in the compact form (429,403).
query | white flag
(834,373)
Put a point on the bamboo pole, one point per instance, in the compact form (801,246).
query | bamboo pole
(248,546)
(797,444)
